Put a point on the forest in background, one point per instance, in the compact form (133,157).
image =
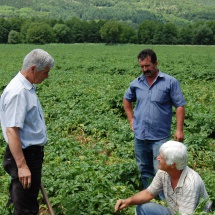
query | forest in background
(75,30)
(108,21)
(132,12)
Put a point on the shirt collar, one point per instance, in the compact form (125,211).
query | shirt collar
(182,177)
(142,77)
(28,85)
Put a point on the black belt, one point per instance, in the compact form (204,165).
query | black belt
(34,148)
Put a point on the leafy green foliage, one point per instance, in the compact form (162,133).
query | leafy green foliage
(134,12)
(4,30)
(13,37)
(61,33)
(39,33)
(115,32)
(89,159)
(39,29)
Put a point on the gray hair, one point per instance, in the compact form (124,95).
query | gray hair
(39,58)
(174,152)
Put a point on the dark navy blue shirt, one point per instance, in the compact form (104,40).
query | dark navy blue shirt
(153,110)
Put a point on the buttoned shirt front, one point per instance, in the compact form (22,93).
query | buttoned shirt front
(186,196)
(20,107)
(153,110)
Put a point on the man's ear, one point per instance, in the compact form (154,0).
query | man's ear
(173,166)
(32,68)
(156,63)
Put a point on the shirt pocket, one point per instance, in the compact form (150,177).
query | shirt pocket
(160,96)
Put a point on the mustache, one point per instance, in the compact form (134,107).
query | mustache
(147,71)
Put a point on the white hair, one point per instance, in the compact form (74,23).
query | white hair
(174,152)
(39,58)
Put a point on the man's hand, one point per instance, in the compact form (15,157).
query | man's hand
(24,176)
(14,142)
(179,136)
(180,115)
(138,199)
(120,204)
(132,124)
(129,112)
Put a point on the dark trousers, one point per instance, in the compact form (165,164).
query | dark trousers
(25,200)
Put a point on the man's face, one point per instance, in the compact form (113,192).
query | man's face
(38,77)
(148,68)
(162,163)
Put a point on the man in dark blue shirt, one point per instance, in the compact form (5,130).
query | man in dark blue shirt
(155,93)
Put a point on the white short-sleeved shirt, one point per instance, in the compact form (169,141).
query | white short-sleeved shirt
(20,107)
(185,197)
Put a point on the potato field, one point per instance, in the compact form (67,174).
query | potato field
(89,158)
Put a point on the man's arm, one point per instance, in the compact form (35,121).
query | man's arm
(180,115)
(129,112)
(140,198)
(14,143)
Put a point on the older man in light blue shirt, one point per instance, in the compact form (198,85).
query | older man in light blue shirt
(21,108)
(24,131)
(155,93)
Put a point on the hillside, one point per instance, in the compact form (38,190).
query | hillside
(130,11)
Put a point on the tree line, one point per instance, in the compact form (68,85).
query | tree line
(75,30)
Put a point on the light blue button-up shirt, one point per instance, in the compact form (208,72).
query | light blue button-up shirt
(153,110)
(20,107)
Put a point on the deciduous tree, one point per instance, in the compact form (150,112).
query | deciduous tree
(170,34)
(62,33)
(110,32)
(39,33)
(13,37)
(203,35)
(4,30)
(149,32)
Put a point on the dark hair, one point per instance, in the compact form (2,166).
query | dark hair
(147,53)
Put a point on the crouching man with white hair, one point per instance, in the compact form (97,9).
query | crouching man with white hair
(182,186)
